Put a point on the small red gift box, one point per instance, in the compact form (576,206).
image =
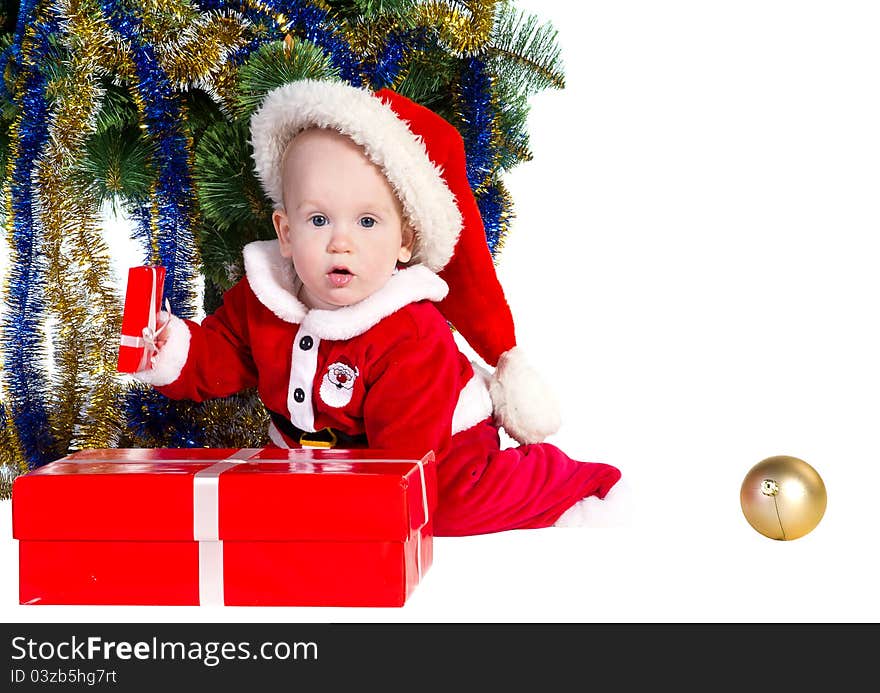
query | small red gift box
(249,527)
(143,301)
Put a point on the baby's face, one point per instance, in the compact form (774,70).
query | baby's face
(342,225)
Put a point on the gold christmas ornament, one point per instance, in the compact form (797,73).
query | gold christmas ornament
(783,497)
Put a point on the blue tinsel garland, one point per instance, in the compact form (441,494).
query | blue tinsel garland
(26,384)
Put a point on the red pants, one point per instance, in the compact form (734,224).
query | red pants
(483,489)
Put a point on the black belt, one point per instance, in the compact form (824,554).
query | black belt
(325,438)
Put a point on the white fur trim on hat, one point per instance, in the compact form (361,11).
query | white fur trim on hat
(523,404)
(427,202)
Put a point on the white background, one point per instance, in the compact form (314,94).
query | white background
(694,268)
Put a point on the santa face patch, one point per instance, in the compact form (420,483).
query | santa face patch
(338,383)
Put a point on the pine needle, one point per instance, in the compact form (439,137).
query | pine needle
(277,63)
(525,54)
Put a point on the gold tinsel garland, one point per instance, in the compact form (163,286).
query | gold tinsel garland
(87,306)
(78,261)
(192,57)
(12,460)
(465,33)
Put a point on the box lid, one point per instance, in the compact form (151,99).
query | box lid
(272,494)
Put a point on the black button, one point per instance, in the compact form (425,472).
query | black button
(306,343)
(299,395)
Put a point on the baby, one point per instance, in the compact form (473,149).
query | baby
(343,322)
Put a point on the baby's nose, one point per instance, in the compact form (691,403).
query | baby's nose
(340,241)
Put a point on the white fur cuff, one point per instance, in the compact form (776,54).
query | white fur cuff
(474,404)
(172,356)
(615,510)
(523,404)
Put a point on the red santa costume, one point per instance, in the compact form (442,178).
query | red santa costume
(386,372)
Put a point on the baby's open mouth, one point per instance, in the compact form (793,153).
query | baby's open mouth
(340,276)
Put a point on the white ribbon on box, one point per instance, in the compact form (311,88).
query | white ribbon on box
(206,523)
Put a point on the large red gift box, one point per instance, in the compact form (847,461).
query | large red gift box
(143,301)
(248,527)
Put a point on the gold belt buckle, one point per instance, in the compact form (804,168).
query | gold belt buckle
(306,443)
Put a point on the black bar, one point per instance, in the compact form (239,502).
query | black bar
(428,657)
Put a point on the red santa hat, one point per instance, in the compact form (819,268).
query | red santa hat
(423,157)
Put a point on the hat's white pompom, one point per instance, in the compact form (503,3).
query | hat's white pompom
(524,406)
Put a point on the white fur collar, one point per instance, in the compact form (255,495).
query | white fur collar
(273,280)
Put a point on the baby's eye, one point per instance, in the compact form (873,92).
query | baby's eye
(318,220)
(367,222)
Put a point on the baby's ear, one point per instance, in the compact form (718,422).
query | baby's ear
(282,230)
(407,243)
